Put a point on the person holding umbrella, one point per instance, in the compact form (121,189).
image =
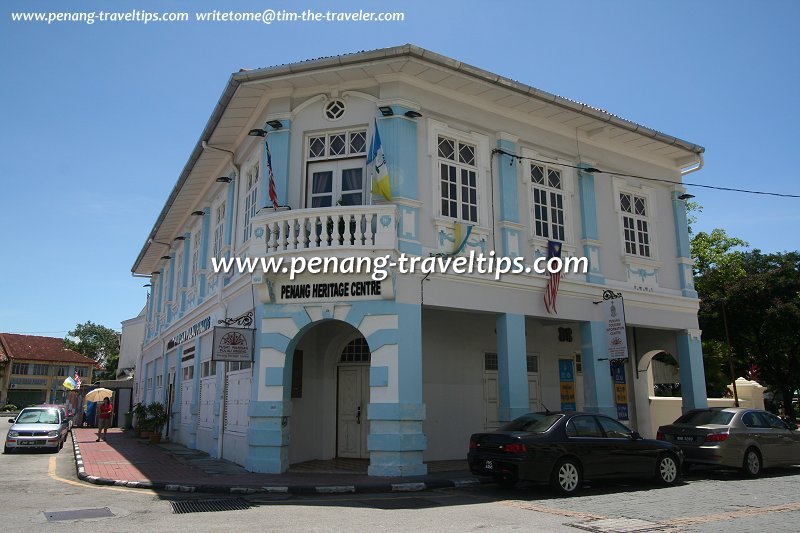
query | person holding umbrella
(104,419)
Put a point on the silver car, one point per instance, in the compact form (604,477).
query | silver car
(37,427)
(734,437)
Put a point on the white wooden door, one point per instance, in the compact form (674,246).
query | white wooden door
(490,400)
(353,396)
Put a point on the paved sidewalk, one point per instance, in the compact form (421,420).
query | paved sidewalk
(127,461)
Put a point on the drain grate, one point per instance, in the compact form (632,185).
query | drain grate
(78,514)
(209,506)
(401,503)
(620,525)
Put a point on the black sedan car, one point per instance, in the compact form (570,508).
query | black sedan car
(566,448)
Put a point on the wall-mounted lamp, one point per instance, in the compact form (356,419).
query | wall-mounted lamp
(179,238)
(155,272)
(386,110)
(275,124)
(685,196)
(198,213)
(166,257)
(223,179)
(258,132)
(413,114)
(591,170)
(147,285)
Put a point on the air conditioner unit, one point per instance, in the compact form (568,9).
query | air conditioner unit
(12,386)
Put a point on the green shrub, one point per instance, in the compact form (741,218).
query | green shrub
(9,407)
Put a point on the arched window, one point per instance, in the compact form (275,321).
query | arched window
(356,351)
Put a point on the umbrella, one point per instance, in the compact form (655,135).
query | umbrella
(97,395)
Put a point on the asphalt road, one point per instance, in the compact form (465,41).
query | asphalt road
(36,486)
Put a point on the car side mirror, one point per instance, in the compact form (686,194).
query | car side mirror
(635,435)
(11,420)
(792,426)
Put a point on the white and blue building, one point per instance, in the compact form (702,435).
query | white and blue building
(402,372)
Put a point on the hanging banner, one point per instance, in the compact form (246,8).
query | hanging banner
(566,378)
(232,344)
(617,339)
(620,390)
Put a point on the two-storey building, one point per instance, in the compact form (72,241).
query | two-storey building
(402,370)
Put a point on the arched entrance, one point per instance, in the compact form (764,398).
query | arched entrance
(330,393)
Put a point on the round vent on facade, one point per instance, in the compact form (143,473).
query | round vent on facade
(334,110)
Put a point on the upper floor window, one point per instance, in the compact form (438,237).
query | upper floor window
(39,370)
(195,257)
(336,170)
(179,268)
(219,229)
(635,227)
(547,202)
(251,200)
(458,179)
(61,370)
(19,368)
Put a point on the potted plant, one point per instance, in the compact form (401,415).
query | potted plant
(156,418)
(140,415)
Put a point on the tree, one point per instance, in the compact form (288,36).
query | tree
(98,343)
(759,297)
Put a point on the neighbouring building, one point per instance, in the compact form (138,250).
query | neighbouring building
(402,370)
(35,369)
(130,345)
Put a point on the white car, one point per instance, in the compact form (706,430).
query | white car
(37,427)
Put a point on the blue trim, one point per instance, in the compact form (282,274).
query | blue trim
(379,376)
(274,340)
(184,281)
(411,248)
(598,390)
(399,142)
(403,232)
(409,357)
(396,411)
(594,275)
(273,376)
(258,343)
(370,307)
(269,409)
(381,338)
(202,262)
(229,208)
(394,442)
(512,370)
(510,235)
(693,381)
(509,193)
(588,204)
(681,225)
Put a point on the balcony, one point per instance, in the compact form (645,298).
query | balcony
(360,227)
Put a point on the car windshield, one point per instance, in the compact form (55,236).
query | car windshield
(703,418)
(38,416)
(532,423)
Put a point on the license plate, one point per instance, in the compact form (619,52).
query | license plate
(489,465)
(27,443)
(684,438)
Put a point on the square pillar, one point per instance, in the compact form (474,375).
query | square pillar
(512,368)
(598,391)
(693,377)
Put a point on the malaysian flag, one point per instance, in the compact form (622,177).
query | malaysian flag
(272,194)
(551,291)
(77,379)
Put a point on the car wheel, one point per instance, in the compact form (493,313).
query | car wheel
(667,470)
(566,477)
(6,449)
(751,466)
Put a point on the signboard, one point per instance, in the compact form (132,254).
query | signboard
(315,290)
(566,378)
(620,391)
(617,339)
(190,333)
(232,344)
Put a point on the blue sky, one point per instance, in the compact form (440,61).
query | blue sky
(100,119)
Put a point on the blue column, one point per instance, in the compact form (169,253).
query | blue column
(175,423)
(690,361)
(229,207)
(396,441)
(184,281)
(194,407)
(171,285)
(160,287)
(507,171)
(205,229)
(279,147)
(589,234)
(683,248)
(399,141)
(512,367)
(598,392)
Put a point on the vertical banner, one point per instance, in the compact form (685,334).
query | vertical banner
(566,378)
(620,390)
(617,339)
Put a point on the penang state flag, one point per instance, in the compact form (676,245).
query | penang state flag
(272,194)
(461,233)
(70,384)
(551,290)
(376,163)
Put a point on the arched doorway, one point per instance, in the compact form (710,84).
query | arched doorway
(330,392)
